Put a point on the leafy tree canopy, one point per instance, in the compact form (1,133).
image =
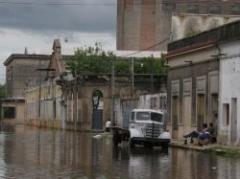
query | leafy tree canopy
(94,60)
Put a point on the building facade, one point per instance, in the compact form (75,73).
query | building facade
(192,17)
(88,101)
(151,24)
(21,73)
(202,83)
(192,87)
(84,105)
(141,25)
(229,95)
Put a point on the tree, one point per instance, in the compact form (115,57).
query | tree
(93,60)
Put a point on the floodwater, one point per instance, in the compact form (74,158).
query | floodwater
(31,153)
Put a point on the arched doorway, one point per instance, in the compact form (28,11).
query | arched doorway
(97,115)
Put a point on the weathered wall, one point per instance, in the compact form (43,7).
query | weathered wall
(156,101)
(74,106)
(185,25)
(21,73)
(185,83)
(142,24)
(229,131)
(19,111)
(197,56)
(43,106)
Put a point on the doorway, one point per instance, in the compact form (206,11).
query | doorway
(187,112)
(175,116)
(233,120)
(97,114)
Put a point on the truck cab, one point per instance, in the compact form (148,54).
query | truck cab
(147,127)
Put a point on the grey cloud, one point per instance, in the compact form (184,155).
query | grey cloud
(70,18)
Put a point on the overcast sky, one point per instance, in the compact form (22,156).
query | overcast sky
(35,26)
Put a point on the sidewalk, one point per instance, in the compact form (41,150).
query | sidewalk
(180,144)
(223,150)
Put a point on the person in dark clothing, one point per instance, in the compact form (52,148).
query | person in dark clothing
(212,132)
(211,129)
(197,134)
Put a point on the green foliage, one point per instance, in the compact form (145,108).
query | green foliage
(89,60)
(93,60)
(122,66)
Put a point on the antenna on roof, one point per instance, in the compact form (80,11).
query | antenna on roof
(26,51)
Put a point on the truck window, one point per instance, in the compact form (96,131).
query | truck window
(157,117)
(143,116)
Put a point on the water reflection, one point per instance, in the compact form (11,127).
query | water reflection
(32,153)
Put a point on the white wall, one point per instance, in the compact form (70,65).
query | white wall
(189,24)
(145,101)
(229,88)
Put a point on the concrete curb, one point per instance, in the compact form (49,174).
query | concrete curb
(222,150)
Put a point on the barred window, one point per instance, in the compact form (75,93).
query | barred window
(153,102)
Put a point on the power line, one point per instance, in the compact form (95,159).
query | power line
(148,48)
(57,3)
(23,3)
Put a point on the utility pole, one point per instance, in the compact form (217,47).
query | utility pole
(40,94)
(132,75)
(152,77)
(113,91)
(76,95)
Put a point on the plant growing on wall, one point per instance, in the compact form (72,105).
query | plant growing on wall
(94,60)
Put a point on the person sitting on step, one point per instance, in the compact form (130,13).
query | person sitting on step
(197,134)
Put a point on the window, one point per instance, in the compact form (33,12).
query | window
(163,102)
(193,9)
(143,116)
(214,9)
(157,117)
(9,112)
(9,73)
(175,112)
(153,102)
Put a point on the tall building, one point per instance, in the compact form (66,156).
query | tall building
(146,24)
(143,25)
(24,71)
(21,72)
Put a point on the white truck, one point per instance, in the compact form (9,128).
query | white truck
(147,127)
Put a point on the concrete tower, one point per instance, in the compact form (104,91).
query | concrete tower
(143,25)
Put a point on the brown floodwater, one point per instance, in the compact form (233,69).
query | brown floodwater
(32,153)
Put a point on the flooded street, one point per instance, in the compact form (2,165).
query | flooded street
(32,153)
